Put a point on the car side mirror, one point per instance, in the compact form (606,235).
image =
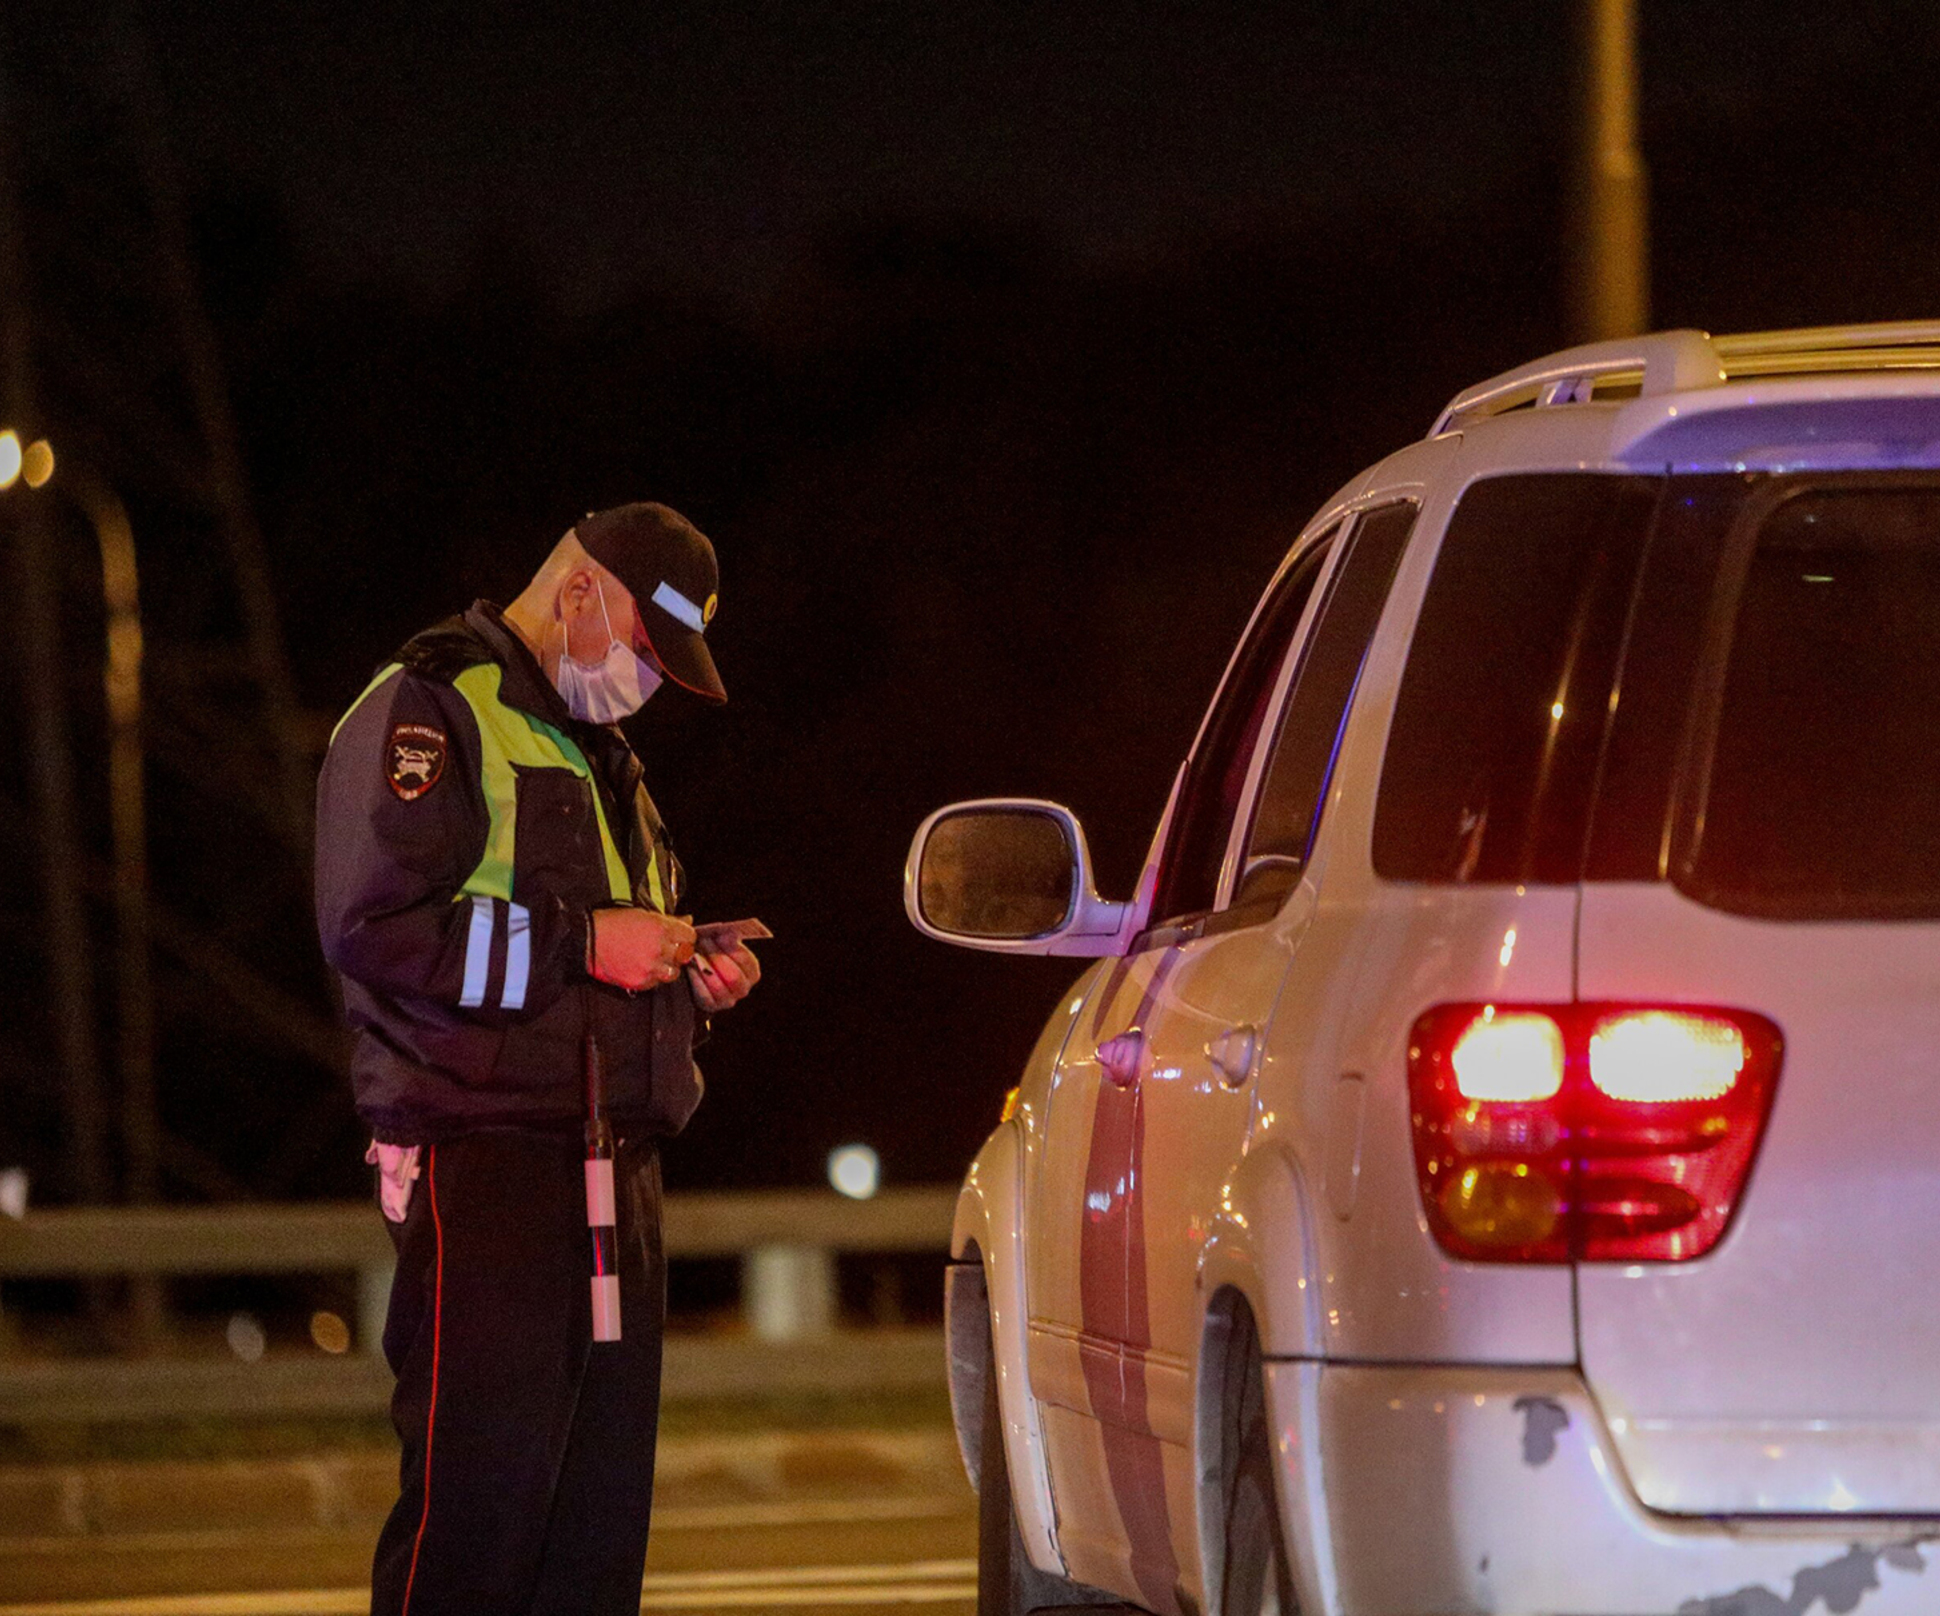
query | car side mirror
(1008,874)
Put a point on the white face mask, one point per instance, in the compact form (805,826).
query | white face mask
(610,689)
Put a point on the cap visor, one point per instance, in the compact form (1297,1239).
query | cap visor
(685,656)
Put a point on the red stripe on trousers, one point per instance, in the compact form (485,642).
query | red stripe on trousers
(437,1330)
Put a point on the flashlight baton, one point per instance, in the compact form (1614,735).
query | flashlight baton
(600,1205)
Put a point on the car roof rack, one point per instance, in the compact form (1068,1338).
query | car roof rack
(1681,361)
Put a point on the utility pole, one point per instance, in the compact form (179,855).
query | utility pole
(50,762)
(128,823)
(1609,269)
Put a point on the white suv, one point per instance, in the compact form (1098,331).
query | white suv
(1494,1163)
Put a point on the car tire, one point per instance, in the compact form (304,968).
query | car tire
(1007,1583)
(1258,1579)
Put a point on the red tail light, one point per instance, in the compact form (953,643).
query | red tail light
(1587,1132)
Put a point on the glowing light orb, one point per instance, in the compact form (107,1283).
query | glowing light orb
(855,1171)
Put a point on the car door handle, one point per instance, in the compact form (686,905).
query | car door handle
(1233,1052)
(1119,1056)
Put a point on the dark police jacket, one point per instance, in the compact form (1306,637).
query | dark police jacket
(467,826)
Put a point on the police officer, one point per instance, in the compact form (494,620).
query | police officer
(493,883)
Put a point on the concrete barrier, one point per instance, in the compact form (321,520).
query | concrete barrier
(787,1242)
(88,1391)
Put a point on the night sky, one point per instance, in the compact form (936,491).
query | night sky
(704,142)
(1001,349)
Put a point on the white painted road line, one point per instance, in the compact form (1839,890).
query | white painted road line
(806,1512)
(919,1582)
(910,1571)
(307,1602)
(863,1597)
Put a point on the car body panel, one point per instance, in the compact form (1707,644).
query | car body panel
(1143,1229)
(1792,1369)
(1373,955)
(1786,424)
(990,1221)
(1088,1306)
(987,1226)
(1096,1547)
(1447,1488)
(1386,1290)
(1260,1245)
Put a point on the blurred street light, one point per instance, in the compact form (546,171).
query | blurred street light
(329,1332)
(855,1171)
(34,464)
(246,1337)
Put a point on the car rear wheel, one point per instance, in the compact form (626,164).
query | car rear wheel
(1258,1580)
(1007,1583)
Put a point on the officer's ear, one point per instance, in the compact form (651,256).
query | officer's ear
(576,594)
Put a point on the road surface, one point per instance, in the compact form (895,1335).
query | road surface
(774,1521)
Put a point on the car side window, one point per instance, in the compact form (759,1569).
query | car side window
(1215,779)
(1315,715)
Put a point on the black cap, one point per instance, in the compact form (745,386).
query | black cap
(668,568)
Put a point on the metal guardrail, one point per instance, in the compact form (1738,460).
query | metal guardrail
(252,1238)
(787,1241)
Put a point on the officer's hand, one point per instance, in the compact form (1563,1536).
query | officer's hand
(723,978)
(639,948)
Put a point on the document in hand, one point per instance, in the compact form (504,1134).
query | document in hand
(718,936)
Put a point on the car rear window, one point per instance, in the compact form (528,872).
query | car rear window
(1813,779)
(1728,681)
(1499,724)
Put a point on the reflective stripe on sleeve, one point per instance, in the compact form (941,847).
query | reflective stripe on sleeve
(518,956)
(478,954)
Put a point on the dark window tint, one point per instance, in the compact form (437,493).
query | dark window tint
(1662,657)
(1492,756)
(1316,711)
(1821,798)
(1216,774)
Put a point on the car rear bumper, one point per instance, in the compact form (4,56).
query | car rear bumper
(1433,1491)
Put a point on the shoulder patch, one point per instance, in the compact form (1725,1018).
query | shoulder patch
(414,760)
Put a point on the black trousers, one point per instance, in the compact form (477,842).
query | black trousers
(527,1475)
